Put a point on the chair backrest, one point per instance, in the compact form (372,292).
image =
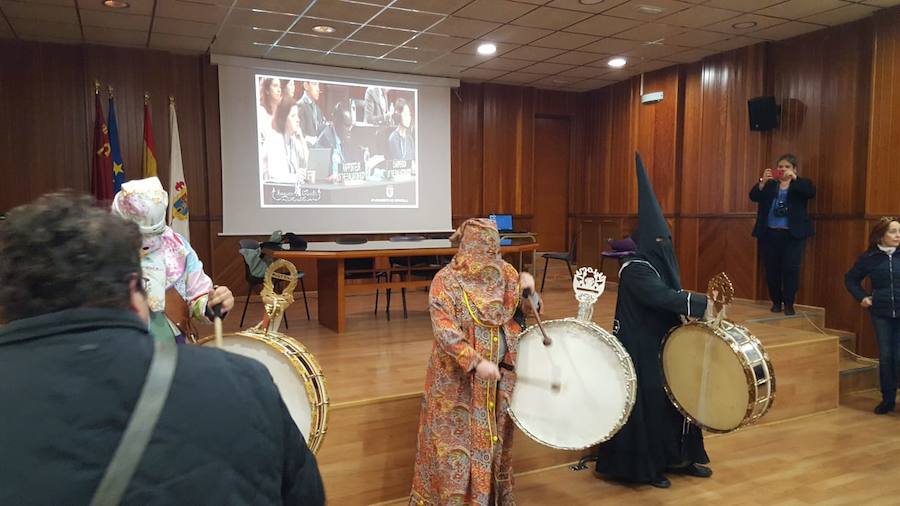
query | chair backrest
(248,244)
(573,248)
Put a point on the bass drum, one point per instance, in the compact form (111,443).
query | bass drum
(720,378)
(576,392)
(296,373)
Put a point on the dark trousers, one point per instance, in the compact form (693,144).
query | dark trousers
(887,330)
(781,255)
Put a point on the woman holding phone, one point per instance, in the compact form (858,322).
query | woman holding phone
(782,226)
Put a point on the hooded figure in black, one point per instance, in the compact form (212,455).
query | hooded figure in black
(657,438)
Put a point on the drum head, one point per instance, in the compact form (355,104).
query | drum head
(295,374)
(595,379)
(705,378)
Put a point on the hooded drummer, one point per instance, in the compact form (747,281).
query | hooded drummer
(657,439)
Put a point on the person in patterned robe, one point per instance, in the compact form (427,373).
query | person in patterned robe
(465,431)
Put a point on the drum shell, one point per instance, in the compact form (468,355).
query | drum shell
(757,369)
(307,370)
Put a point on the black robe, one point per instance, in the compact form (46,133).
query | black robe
(652,439)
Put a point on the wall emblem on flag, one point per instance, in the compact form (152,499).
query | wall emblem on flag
(389,191)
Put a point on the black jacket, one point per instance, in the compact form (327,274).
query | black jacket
(884,272)
(799,193)
(68,383)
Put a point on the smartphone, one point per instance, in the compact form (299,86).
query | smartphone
(777,173)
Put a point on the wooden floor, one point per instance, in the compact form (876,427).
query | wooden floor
(375,373)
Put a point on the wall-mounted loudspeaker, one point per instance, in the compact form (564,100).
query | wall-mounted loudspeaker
(764,113)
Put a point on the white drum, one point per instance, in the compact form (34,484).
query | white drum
(576,392)
(296,374)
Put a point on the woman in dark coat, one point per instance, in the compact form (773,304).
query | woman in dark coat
(880,264)
(782,226)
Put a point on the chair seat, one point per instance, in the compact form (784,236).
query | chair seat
(616,254)
(556,255)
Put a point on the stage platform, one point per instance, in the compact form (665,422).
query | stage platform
(375,375)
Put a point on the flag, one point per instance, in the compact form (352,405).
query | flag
(101,164)
(118,166)
(148,167)
(179,212)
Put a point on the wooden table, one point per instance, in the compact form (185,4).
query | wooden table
(330,258)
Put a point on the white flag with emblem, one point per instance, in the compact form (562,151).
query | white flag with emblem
(179,212)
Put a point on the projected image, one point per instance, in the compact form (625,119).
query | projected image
(333,144)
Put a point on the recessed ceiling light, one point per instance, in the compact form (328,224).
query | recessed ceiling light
(590,2)
(743,25)
(617,63)
(650,9)
(115,4)
(487,48)
(323,29)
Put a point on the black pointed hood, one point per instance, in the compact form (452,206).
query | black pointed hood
(653,237)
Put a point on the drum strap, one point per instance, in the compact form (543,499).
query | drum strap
(140,426)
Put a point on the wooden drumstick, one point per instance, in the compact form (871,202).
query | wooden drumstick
(217,322)
(535,305)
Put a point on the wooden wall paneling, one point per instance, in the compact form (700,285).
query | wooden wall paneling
(823,81)
(687,247)
(740,257)
(551,182)
(508,135)
(838,243)
(692,128)
(467,167)
(657,139)
(45,144)
(846,92)
(884,142)
(721,156)
(621,186)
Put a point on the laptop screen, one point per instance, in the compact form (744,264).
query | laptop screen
(503,221)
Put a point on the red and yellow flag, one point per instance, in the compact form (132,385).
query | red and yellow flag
(148,167)
(101,163)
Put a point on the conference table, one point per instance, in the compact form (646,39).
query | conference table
(332,283)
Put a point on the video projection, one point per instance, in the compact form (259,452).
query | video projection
(311,149)
(336,144)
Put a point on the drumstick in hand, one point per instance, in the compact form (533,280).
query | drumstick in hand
(535,304)
(217,322)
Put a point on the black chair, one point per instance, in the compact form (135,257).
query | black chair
(253,281)
(362,268)
(566,256)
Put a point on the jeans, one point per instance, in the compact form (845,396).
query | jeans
(887,330)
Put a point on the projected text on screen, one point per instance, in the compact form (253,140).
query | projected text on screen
(336,144)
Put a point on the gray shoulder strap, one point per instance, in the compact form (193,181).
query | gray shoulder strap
(140,426)
(629,262)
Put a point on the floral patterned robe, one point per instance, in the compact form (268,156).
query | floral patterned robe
(465,431)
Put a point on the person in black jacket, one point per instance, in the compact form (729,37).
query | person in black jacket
(880,264)
(782,226)
(73,359)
